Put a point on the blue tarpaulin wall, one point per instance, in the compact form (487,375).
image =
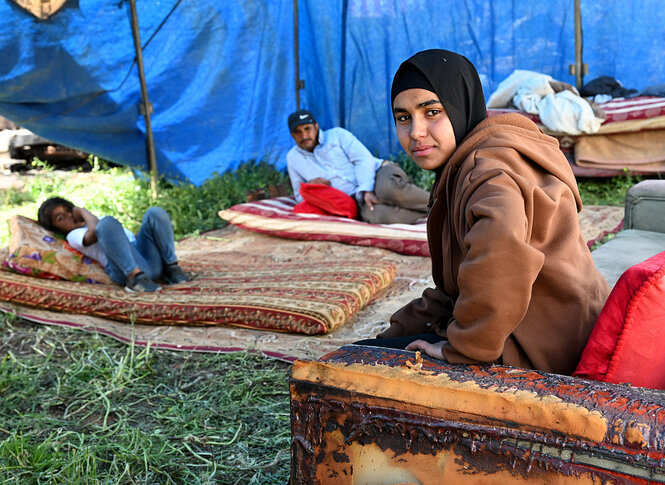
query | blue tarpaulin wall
(220,75)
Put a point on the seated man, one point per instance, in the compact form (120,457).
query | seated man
(335,157)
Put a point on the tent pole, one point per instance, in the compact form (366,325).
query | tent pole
(579,64)
(145,106)
(300,84)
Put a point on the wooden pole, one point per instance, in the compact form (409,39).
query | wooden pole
(579,41)
(145,106)
(300,84)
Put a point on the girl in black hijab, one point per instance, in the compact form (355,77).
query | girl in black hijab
(515,282)
(454,80)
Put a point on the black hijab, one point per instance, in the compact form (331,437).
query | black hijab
(454,80)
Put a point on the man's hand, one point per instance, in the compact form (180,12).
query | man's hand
(371,199)
(433,350)
(319,180)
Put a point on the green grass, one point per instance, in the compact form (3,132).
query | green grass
(78,408)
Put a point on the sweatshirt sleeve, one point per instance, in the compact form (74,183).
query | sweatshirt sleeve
(496,277)
(433,307)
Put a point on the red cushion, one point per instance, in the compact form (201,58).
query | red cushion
(627,344)
(305,207)
(329,199)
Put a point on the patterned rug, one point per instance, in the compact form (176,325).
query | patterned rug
(245,247)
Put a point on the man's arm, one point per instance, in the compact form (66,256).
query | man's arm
(295,177)
(84,215)
(364,163)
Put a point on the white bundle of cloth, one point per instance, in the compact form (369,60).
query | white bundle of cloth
(561,112)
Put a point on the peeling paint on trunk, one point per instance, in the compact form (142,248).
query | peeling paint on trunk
(356,418)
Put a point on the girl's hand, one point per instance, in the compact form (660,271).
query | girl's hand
(433,350)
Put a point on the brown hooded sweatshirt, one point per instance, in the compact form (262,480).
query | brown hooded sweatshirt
(515,281)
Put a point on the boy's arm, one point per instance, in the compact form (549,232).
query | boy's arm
(81,214)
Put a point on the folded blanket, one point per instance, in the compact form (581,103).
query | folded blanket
(561,112)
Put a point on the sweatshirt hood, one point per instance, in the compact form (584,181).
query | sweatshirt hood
(517,132)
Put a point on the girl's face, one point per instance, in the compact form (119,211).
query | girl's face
(423,128)
(63,220)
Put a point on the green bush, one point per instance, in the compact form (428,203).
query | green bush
(119,193)
(422,178)
(606,191)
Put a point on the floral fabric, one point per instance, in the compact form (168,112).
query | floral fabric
(34,251)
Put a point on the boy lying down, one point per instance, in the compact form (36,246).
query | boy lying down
(134,262)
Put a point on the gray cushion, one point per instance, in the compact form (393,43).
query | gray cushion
(645,206)
(628,248)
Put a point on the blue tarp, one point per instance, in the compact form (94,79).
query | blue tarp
(221,76)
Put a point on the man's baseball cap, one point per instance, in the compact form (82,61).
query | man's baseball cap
(302,117)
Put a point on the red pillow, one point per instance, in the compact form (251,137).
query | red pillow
(305,207)
(327,199)
(627,344)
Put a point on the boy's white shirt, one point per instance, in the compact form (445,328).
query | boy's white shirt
(94,250)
